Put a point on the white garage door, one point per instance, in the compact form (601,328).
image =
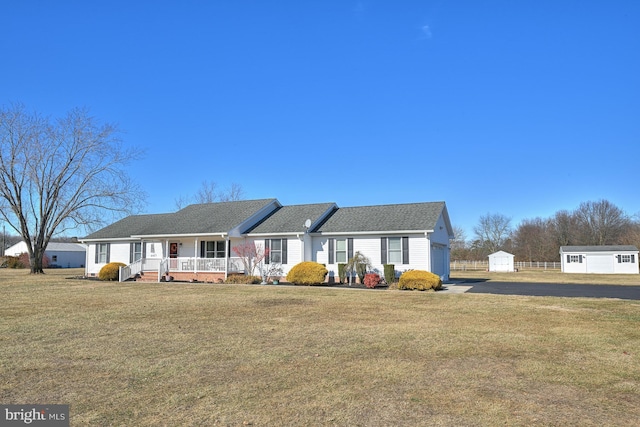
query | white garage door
(437,260)
(599,264)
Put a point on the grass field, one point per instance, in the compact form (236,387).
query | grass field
(196,354)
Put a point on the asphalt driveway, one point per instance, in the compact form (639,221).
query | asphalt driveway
(552,290)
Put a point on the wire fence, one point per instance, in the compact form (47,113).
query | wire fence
(466,265)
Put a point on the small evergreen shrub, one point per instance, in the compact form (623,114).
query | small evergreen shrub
(110,271)
(342,272)
(390,273)
(241,279)
(361,271)
(419,280)
(371,280)
(307,273)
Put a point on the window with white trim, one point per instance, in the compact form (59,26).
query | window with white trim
(136,251)
(341,250)
(626,258)
(213,249)
(275,251)
(394,250)
(102,253)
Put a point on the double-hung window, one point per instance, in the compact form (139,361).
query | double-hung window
(394,250)
(212,249)
(102,253)
(340,250)
(394,256)
(135,251)
(276,250)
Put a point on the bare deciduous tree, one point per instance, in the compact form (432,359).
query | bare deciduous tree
(533,240)
(61,174)
(209,193)
(493,232)
(601,223)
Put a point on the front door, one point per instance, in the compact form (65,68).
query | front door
(173,250)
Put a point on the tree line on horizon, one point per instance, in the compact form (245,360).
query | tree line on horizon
(592,223)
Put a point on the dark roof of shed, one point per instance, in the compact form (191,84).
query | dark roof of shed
(203,218)
(291,219)
(603,248)
(399,217)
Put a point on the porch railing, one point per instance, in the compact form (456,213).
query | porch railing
(182,264)
(143,264)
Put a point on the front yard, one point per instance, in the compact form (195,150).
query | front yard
(211,354)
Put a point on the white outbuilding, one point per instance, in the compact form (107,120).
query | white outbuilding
(501,261)
(619,259)
(60,254)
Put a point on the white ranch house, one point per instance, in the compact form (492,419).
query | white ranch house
(197,242)
(620,259)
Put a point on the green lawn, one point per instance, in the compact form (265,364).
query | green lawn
(196,354)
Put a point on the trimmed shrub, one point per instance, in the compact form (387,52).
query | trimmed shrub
(419,280)
(390,273)
(26,262)
(371,280)
(307,273)
(241,279)
(110,271)
(342,272)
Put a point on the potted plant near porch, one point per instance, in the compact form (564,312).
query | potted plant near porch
(275,273)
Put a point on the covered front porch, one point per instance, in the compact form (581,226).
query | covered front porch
(183,269)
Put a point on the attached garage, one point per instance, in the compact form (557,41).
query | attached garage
(620,259)
(501,261)
(438,260)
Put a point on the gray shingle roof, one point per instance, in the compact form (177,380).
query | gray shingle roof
(193,219)
(290,219)
(607,248)
(401,217)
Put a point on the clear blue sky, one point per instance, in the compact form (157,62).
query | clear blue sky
(522,108)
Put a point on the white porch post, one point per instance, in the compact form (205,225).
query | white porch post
(227,246)
(195,256)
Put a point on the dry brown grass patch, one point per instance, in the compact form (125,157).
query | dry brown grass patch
(182,354)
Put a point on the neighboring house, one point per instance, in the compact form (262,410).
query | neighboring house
(501,261)
(599,259)
(199,242)
(60,254)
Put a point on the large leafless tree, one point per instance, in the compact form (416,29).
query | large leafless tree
(492,232)
(61,174)
(601,223)
(209,193)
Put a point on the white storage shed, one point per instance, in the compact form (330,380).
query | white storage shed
(501,261)
(619,259)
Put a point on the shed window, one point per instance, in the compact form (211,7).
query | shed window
(626,258)
(574,258)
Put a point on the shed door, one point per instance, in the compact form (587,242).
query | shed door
(599,264)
